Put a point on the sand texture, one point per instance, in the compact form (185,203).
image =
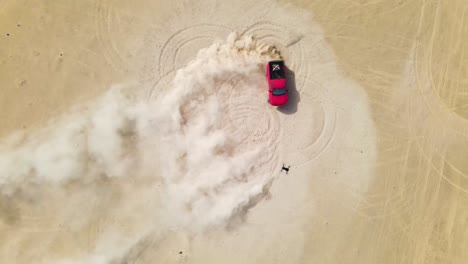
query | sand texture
(139,132)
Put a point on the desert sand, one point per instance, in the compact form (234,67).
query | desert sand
(138,132)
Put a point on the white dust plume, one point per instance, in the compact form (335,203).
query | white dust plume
(177,149)
(211,177)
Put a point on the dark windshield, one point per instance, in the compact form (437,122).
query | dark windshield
(279,91)
(276,70)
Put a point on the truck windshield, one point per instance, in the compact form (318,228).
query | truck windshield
(279,91)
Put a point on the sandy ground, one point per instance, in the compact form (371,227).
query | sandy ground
(376,135)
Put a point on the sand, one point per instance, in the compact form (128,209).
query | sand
(123,143)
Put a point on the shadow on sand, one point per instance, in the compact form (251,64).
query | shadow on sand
(294,97)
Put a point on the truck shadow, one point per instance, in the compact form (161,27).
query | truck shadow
(294,96)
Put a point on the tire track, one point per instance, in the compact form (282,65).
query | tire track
(106,16)
(167,61)
(250,121)
(242,110)
(309,144)
(303,146)
(426,86)
(188,42)
(181,38)
(102,23)
(247,118)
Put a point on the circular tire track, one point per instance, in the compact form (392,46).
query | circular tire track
(247,118)
(250,121)
(186,38)
(107,20)
(103,22)
(316,118)
(247,112)
(169,60)
(160,87)
(318,126)
(451,172)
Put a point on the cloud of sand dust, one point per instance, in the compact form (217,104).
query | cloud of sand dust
(81,147)
(209,177)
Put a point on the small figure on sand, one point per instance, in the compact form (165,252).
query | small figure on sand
(286,169)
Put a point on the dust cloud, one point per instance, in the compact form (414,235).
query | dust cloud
(122,160)
(209,174)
